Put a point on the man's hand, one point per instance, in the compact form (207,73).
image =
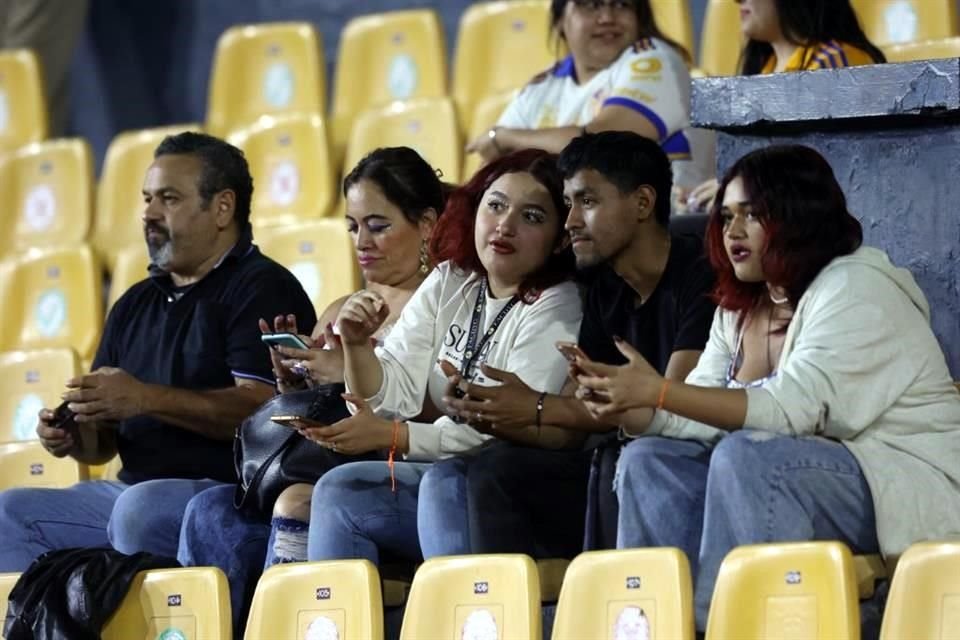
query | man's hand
(107,394)
(510,405)
(59,442)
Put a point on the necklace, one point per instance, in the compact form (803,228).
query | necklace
(769,331)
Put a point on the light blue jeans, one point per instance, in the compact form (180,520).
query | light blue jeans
(354,513)
(34,521)
(756,487)
(443,515)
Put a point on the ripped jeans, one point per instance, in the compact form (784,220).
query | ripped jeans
(753,487)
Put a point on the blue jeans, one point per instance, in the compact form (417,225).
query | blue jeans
(215,534)
(147,516)
(443,517)
(34,521)
(354,513)
(757,487)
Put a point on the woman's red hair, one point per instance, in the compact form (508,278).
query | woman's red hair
(793,191)
(452,237)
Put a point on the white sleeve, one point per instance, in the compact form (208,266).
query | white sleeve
(655,83)
(531,355)
(520,111)
(711,371)
(848,364)
(408,353)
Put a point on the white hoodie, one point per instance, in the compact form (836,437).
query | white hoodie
(861,365)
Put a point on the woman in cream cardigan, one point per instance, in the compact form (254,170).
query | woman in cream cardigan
(821,408)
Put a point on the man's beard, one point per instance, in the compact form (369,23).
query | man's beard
(161,251)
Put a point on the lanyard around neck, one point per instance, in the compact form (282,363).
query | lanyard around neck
(473,348)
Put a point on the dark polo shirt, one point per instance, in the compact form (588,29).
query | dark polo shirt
(199,337)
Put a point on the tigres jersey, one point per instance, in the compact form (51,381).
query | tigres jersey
(649,77)
(829,55)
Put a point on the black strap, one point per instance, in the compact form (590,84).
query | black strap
(473,349)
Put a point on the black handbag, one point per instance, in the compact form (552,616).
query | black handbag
(270,457)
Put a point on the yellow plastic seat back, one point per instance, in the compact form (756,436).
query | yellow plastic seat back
(23,104)
(28,464)
(53,299)
(264,69)
(889,22)
(32,380)
(641,593)
(721,40)
(291,167)
(428,125)
(321,256)
(118,224)
(339,599)
(479,596)
(7,582)
(924,598)
(400,55)
(47,194)
(500,46)
(129,268)
(788,591)
(925,50)
(173,604)
(675,22)
(485,116)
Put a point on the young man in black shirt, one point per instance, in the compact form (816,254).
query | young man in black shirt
(179,366)
(644,284)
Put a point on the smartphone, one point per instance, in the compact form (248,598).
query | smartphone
(571,351)
(287,421)
(63,418)
(284,340)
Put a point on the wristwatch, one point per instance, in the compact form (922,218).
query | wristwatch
(492,134)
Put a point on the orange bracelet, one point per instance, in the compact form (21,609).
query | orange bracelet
(393,452)
(663,393)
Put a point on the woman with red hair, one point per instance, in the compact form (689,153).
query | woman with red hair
(821,408)
(501,296)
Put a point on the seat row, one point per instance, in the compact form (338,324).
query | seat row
(801,590)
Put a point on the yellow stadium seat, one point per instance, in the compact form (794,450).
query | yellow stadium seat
(129,268)
(117,223)
(32,380)
(480,596)
(721,39)
(400,55)
(790,590)
(53,298)
(320,254)
(291,167)
(339,599)
(925,50)
(173,604)
(265,69)
(631,593)
(486,114)
(500,46)
(924,598)
(673,18)
(550,573)
(46,191)
(889,22)
(23,104)
(428,125)
(28,464)
(7,582)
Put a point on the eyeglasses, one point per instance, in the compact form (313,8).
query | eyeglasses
(594,6)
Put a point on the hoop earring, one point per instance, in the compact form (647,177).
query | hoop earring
(424,259)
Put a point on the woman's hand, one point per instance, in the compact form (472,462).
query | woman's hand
(510,405)
(287,378)
(360,317)
(609,391)
(360,433)
(700,200)
(323,363)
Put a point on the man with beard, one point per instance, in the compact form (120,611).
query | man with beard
(179,366)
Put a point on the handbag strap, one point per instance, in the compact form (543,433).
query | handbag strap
(240,497)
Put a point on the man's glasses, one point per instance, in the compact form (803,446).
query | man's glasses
(594,6)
